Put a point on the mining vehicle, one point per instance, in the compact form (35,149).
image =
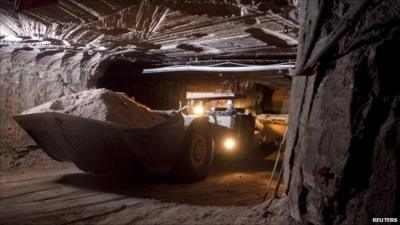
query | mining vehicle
(182,147)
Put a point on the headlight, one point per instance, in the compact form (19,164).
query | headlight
(229,144)
(198,110)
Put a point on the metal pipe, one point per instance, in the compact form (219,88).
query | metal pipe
(218,69)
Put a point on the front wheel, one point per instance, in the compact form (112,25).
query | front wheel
(197,155)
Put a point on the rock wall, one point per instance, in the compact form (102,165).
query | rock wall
(279,102)
(29,77)
(343,146)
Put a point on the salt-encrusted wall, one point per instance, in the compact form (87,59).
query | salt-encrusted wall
(29,77)
(342,159)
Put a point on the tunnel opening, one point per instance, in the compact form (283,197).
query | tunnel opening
(125,76)
(168,91)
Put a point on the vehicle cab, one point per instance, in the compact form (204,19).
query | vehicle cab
(231,128)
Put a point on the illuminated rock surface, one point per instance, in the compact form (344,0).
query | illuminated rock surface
(342,155)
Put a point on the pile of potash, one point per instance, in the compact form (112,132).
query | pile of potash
(103,105)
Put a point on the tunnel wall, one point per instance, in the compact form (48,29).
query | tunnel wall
(278,102)
(29,77)
(342,155)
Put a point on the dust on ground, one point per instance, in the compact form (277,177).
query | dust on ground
(231,194)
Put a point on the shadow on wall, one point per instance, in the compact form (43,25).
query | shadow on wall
(276,102)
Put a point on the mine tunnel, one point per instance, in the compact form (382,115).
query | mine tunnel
(199,112)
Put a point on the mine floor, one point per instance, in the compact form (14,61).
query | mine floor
(231,194)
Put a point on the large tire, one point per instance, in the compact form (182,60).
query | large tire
(196,156)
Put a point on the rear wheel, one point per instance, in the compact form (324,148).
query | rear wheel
(196,156)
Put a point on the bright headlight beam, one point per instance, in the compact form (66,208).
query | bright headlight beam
(198,110)
(229,143)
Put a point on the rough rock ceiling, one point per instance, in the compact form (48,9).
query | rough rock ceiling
(226,29)
(157,32)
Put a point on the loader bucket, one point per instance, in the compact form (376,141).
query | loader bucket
(101,147)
